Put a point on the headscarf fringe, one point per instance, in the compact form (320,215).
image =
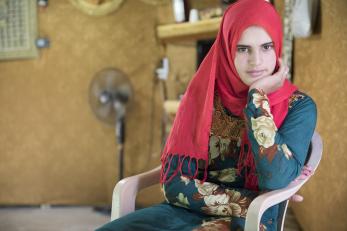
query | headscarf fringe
(246,163)
(166,167)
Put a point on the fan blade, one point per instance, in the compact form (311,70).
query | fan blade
(108,88)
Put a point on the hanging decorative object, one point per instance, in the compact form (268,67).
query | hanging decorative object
(42,3)
(156,2)
(97,7)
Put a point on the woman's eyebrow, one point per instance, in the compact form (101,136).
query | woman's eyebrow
(264,44)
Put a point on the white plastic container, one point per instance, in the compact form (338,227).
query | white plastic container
(193,15)
(178,10)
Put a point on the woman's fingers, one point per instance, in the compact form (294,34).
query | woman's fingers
(282,72)
(308,167)
(285,71)
(282,68)
(305,172)
(297,198)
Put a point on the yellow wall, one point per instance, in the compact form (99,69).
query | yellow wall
(52,148)
(320,70)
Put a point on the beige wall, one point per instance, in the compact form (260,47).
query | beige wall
(52,148)
(320,70)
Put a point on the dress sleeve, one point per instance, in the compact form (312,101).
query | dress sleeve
(279,153)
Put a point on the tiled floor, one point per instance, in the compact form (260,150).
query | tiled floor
(70,219)
(51,219)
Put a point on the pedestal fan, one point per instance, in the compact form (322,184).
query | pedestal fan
(110,94)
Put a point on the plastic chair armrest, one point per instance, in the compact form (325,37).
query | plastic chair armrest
(124,193)
(264,201)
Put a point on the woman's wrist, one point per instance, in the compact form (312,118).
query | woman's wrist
(257,88)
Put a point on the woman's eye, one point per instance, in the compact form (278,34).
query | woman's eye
(267,47)
(242,49)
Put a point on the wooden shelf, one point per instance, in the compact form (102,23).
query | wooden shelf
(197,30)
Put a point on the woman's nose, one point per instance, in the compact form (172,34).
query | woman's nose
(255,58)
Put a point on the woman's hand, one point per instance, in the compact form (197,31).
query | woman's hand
(271,83)
(306,171)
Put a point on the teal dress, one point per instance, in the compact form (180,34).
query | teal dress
(221,202)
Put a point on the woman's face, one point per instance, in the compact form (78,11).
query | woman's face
(255,55)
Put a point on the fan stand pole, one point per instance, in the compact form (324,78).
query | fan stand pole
(120,161)
(120,138)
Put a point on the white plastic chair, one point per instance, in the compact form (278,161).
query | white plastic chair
(124,194)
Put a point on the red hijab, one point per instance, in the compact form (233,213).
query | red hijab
(189,135)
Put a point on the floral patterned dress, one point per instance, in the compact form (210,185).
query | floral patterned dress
(221,202)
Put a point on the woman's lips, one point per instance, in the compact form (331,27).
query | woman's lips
(255,73)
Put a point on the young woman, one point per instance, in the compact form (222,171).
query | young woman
(241,129)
